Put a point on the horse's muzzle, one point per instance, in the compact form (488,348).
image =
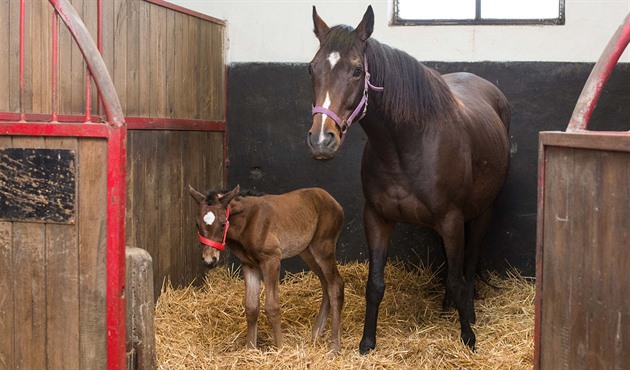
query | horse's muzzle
(323,146)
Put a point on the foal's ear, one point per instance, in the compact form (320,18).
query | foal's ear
(226,198)
(321,28)
(365,28)
(197,196)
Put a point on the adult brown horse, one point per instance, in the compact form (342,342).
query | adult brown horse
(437,152)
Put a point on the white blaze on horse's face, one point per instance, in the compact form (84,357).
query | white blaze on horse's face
(209,218)
(322,131)
(333,58)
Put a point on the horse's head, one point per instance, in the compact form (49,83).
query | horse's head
(339,82)
(212,222)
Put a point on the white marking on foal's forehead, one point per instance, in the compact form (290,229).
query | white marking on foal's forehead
(326,103)
(333,58)
(209,218)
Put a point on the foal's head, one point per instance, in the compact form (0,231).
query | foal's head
(212,222)
(338,79)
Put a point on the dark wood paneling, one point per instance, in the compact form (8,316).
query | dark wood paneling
(160,212)
(584,310)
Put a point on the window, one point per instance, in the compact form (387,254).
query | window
(426,12)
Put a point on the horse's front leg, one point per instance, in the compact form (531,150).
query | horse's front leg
(378,232)
(452,230)
(252,303)
(271,276)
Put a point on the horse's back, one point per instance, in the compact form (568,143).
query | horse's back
(469,87)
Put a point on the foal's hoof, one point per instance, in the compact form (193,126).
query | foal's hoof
(469,340)
(366,346)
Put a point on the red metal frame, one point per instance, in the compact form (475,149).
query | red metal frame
(113,130)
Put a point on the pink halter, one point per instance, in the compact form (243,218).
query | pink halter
(361,107)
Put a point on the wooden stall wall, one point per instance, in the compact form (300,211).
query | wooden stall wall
(168,68)
(52,275)
(583,305)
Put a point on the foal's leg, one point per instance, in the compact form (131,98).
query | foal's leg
(378,231)
(252,303)
(452,230)
(324,307)
(324,254)
(476,230)
(271,275)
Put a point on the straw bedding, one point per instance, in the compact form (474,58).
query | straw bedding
(204,327)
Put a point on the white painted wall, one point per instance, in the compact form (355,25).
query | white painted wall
(281,31)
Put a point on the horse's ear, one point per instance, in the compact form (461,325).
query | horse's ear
(226,198)
(365,28)
(197,196)
(321,28)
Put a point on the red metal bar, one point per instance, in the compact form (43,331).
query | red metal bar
(22,12)
(92,57)
(54,129)
(44,117)
(597,79)
(55,43)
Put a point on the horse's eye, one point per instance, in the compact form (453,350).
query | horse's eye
(310,70)
(357,72)
(223,226)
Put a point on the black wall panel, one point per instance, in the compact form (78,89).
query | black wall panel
(269,116)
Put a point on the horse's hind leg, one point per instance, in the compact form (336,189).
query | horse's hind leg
(271,278)
(475,232)
(252,303)
(452,230)
(323,254)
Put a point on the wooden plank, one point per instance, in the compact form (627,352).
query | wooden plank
(5,85)
(65,79)
(77,74)
(157,62)
(587,140)
(170,185)
(134,40)
(144,49)
(29,251)
(90,18)
(62,286)
(120,67)
(92,227)
(7,303)
(14,57)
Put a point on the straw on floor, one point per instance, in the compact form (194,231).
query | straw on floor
(204,327)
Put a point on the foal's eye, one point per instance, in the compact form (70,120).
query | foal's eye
(357,72)
(223,226)
(310,70)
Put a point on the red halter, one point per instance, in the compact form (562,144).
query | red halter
(212,243)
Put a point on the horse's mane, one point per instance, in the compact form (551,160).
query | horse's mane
(212,194)
(413,93)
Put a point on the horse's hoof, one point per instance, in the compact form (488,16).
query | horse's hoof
(366,346)
(469,341)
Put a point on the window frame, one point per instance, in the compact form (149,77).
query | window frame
(397,21)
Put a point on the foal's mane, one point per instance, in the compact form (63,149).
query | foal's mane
(413,93)
(212,194)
